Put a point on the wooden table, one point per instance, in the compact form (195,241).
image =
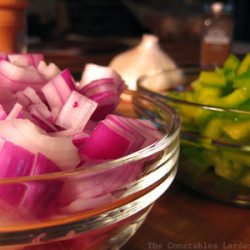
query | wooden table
(180,219)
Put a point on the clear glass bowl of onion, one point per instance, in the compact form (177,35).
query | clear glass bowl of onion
(126,189)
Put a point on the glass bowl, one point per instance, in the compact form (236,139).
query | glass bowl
(122,192)
(214,160)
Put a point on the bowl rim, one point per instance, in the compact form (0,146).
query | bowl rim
(172,133)
(182,69)
(163,98)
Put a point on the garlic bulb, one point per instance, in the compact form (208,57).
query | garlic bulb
(145,57)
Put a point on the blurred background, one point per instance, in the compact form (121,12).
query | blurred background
(168,19)
(95,30)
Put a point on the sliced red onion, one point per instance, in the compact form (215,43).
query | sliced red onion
(27,74)
(144,130)
(68,78)
(103,111)
(3,56)
(48,71)
(147,128)
(107,103)
(41,197)
(90,126)
(39,112)
(58,90)
(76,112)
(106,93)
(3,114)
(106,98)
(121,123)
(44,165)
(16,85)
(37,58)
(67,119)
(64,84)
(31,94)
(41,116)
(127,133)
(16,112)
(25,59)
(43,111)
(103,85)
(97,185)
(105,143)
(6,95)
(78,138)
(99,86)
(41,122)
(22,99)
(24,133)
(13,85)
(81,204)
(124,135)
(15,162)
(93,72)
(54,100)
(36,197)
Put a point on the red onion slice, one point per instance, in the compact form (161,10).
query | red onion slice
(48,71)
(25,59)
(24,133)
(76,112)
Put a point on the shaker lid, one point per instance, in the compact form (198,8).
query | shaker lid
(218,8)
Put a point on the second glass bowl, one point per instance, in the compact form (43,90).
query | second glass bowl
(211,161)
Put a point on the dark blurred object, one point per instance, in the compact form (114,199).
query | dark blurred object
(169,19)
(42,18)
(102,18)
(242,20)
(37,28)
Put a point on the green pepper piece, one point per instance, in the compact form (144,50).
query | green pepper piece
(245,180)
(242,158)
(245,105)
(242,80)
(245,63)
(229,75)
(204,94)
(196,84)
(213,128)
(219,70)
(238,131)
(232,63)
(228,167)
(212,79)
(232,100)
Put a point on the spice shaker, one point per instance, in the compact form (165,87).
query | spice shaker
(13,25)
(217,32)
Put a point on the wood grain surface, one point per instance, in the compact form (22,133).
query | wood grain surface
(183,219)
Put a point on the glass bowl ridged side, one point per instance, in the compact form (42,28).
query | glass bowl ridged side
(109,225)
